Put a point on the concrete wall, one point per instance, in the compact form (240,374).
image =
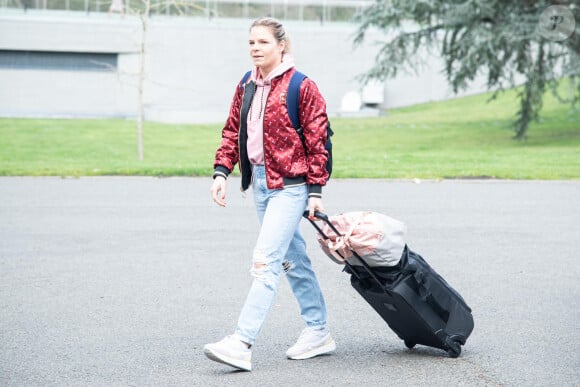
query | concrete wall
(69,93)
(192,66)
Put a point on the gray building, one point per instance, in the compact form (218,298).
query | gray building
(78,64)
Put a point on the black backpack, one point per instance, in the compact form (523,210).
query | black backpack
(292,104)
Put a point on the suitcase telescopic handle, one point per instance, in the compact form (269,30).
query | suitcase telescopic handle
(322,216)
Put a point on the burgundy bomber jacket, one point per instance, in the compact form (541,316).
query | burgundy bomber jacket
(286,159)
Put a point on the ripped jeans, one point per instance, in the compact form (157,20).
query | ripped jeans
(280,247)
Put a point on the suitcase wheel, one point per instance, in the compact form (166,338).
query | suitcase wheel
(454,348)
(409,344)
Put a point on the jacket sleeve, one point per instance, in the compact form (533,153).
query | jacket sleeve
(314,120)
(227,155)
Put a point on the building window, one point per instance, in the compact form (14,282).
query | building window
(68,61)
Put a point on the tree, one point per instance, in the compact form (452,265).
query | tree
(502,39)
(144,13)
(144,17)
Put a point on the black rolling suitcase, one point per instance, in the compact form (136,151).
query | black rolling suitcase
(415,301)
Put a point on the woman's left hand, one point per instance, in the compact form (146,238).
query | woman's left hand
(314,204)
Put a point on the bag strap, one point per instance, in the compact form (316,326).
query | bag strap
(293,103)
(245,79)
(247,98)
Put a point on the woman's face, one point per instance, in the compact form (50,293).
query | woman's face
(265,51)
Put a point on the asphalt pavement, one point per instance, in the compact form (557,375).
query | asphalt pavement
(122,280)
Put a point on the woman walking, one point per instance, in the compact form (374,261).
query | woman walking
(286,176)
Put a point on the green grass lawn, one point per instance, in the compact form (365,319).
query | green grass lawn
(460,138)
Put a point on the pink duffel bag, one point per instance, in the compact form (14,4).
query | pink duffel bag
(376,238)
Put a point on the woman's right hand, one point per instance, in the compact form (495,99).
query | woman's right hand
(218,191)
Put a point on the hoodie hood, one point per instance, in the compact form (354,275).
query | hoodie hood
(286,64)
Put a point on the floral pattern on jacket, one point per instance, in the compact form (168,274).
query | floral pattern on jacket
(284,154)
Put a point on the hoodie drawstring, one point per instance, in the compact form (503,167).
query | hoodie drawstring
(261,103)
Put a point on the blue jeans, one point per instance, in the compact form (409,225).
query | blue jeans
(280,247)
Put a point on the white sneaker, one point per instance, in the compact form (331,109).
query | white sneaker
(312,342)
(231,351)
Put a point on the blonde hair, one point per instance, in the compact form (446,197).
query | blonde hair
(276,28)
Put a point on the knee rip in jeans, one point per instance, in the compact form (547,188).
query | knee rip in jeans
(287,266)
(261,271)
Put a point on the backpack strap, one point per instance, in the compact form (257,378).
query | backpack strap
(293,102)
(245,79)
